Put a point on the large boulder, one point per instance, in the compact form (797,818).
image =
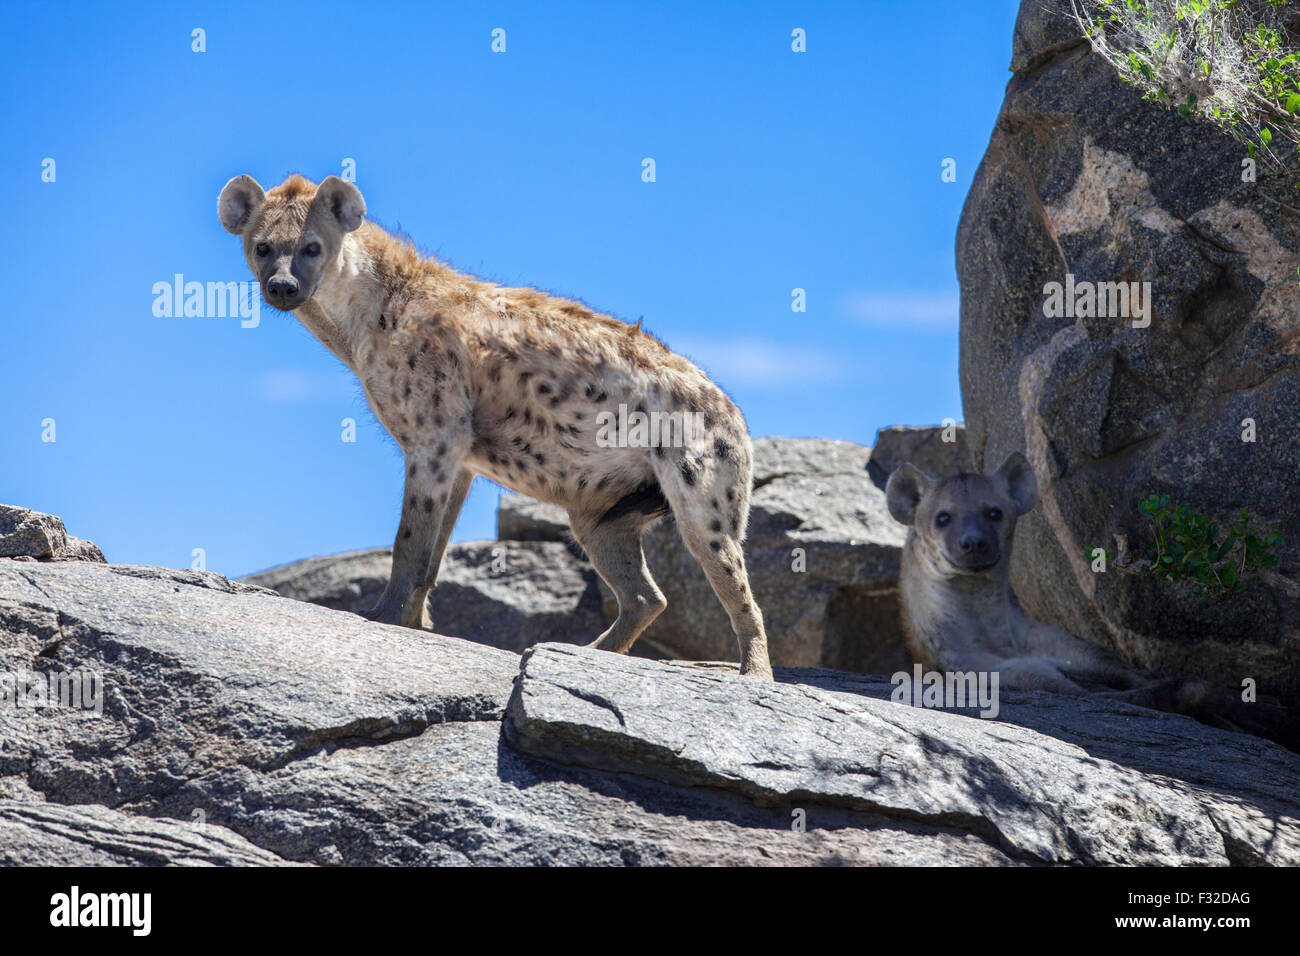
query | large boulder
(822,554)
(938,450)
(1084,178)
(234,726)
(521,518)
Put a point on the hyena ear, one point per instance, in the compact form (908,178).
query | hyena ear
(906,487)
(239,202)
(1016,478)
(342,201)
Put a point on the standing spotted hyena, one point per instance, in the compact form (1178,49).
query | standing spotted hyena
(472,378)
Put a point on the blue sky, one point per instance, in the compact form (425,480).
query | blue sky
(775,170)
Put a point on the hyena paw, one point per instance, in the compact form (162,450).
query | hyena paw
(757,668)
(421,621)
(385,612)
(404,612)
(607,642)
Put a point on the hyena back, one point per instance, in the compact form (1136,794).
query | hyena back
(472,378)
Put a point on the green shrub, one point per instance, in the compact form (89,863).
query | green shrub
(1223,61)
(1186,546)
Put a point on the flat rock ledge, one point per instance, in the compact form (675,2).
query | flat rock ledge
(1034,797)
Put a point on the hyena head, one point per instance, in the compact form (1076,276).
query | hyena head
(963,523)
(292,233)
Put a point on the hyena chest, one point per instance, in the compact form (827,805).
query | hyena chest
(415,405)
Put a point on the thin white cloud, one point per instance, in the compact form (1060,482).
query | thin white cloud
(757,362)
(299,385)
(925,311)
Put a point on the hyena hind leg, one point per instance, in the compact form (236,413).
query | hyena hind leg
(614,548)
(711,520)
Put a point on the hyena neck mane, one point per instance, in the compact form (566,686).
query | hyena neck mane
(374,273)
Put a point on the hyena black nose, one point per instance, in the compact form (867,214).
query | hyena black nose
(282,287)
(974,542)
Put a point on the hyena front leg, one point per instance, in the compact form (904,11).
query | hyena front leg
(1034,673)
(432,475)
(455,500)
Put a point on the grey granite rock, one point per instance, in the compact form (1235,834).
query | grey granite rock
(822,554)
(937,450)
(507,594)
(30,534)
(296,733)
(1084,178)
(323,738)
(1037,797)
(47,834)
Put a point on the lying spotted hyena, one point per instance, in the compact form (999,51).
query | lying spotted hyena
(472,378)
(958,612)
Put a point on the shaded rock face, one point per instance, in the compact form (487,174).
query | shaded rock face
(351,581)
(239,727)
(822,554)
(520,518)
(1082,177)
(507,594)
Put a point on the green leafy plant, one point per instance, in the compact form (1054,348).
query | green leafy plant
(1187,546)
(1228,62)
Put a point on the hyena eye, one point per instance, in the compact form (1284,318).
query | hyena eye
(994,514)
(312,248)
(262,249)
(941,519)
